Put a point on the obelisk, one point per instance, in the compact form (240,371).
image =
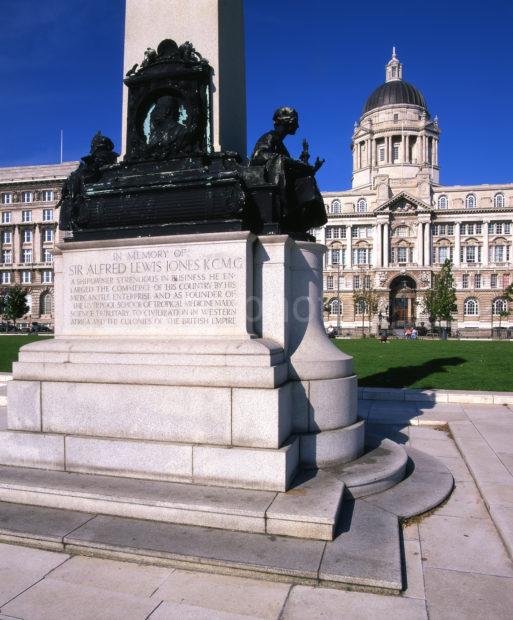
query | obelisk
(216,29)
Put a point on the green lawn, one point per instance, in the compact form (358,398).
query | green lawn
(9,347)
(449,364)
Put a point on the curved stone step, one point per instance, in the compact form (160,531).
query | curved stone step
(377,470)
(427,485)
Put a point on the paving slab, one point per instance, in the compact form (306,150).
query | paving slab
(507,461)
(436,447)
(123,577)
(482,462)
(18,521)
(464,544)
(307,603)
(455,595)
(169,610)
(414,582)
(224,593)
(16,557)
(465,501)
(366,550)
(503,519)
(237,551)
(50,599)
(456,465)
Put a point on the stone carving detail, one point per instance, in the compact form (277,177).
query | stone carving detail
(382,278)
(425,278)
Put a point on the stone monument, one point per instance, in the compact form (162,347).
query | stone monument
(190,379)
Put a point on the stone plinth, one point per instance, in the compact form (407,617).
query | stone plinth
(190,359)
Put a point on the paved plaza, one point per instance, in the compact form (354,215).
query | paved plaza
(456,559)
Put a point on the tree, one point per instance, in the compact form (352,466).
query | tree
(369,298)
(15,304)
(507,295)
(440,301)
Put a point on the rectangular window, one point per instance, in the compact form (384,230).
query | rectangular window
(47,276)
(499,253)
(360,256)
(477,280)
(329,283)
(7,236)
(395,151)
(507,228)
(27,256)
(471,254)
(367,282)
(341,282)
(479,229)
(47,256)
(48,235)
(402,255)
(490,229)
(443,254)
(6,217)
(493,280)
(27,197)
(356,282)
(27,236)
(328,232)
(6,277)
(26,277)
(7,257)
(498,228)
(7,198)
(47,215)
(464,280)
(342,232)
(335,257)
(450,230)
(336,232)
(442,229)
(47,195)
(26,216)
(381,153)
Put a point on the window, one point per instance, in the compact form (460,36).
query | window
(26,216)
(7,198)
(402,231)
(442,202)
(335,257)
(505,280)
(45,303)
(47,215)
(6,257)
(361,232)
(498,254)
(402,255)
(6,277)
(48,235)
(396,116)
(367,282)
(381,153)
(329,283)
(498,201)
(361,256)
(7,236)
(499,305)
(6,217)
(27,256)
(470,201)
(336,207)
(360,307)
(443,254)
(27,197)
(361,206)
(464,281)
(27,236)
(470,307)
(395,151)
(334,306)
(450,230)
(47,195)
(47,276)
(507,228)
(356,282)
(47,256)
(493,280)
(26,277)
(477,280)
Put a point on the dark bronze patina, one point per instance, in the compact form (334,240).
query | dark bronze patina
(171,181)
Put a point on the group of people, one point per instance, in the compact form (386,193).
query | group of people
(410,333)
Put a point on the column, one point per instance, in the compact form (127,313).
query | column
(457,244)
(386,241)
(378,260)
(427,244)
(36,245)
(405,148)
(16,245)
(389,149)
(349,235)
(486,244)
(420,244)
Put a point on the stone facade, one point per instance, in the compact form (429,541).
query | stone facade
(28,233)
(397,224)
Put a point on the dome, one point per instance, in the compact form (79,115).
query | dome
(395,92)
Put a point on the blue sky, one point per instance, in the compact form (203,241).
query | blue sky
(61,68)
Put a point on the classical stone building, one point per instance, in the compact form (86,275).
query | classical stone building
(28,233)
(397,224)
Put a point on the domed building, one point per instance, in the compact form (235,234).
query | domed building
(397,224)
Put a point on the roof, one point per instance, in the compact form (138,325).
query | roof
(50,172)
(395,92)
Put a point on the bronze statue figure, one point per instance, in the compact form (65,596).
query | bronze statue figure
(302,204)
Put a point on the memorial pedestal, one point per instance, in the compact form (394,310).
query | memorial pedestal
(190,359)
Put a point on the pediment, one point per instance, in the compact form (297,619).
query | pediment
(403,203)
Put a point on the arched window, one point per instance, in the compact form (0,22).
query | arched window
(499,305)
(360,307)
(334,306)
(442,202)
(498,201)
(471,307)
(45,303)
(470,201)
(361,206)
(336,207)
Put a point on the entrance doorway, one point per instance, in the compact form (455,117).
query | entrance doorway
(403,291)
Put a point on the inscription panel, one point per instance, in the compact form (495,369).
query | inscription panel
(157,289)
